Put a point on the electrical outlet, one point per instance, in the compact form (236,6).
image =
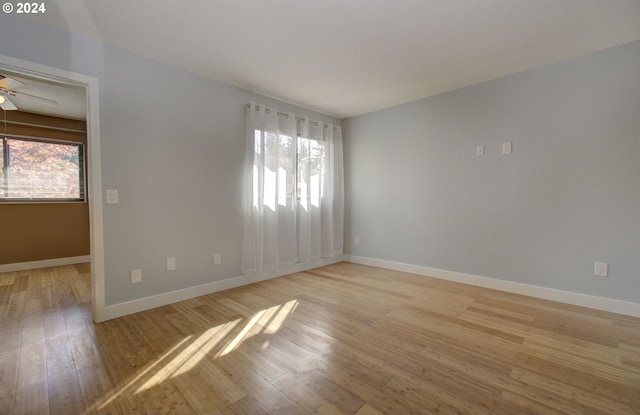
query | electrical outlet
(506,148)
(600,269)
(217,259)
(356,241)
(136,276)
(171,264)
(480,151)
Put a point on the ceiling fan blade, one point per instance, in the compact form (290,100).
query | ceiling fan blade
(10,83)
(7,105)
(19,94)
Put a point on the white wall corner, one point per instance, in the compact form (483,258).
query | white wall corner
(567,297)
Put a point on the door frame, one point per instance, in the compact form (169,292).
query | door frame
(94,171)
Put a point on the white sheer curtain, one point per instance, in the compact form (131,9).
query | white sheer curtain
(294,191)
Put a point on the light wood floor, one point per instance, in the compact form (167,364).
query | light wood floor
(342,339)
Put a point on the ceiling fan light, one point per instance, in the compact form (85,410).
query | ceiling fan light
(2,100)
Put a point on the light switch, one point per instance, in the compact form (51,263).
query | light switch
(171,264)
(480,151)
(601,269)
(112,196)
(506,148)
(136,276)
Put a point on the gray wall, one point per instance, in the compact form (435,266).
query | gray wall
(172,145)
(569,194)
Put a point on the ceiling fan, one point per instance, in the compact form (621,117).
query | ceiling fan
(8,88)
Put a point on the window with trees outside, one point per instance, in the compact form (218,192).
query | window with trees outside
(41,170)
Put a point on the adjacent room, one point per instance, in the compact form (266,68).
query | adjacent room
(336,207)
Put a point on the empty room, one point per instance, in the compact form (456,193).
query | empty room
(320,207)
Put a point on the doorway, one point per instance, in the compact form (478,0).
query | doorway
(66,80)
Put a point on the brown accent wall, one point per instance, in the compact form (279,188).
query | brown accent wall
(38,231)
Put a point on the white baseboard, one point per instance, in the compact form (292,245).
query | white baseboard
(45,263)
(568,297)
(159,300)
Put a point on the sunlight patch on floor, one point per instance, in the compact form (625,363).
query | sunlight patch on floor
(138,378)
(268,321)
(191,355)
(278,315)
(240,337)
(189,352)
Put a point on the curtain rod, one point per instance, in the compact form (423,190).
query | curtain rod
(284,114)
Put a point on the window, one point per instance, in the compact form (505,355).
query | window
(311,165)
(41,170)
(294,191)
(291,166)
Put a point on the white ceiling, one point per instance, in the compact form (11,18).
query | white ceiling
(349,57)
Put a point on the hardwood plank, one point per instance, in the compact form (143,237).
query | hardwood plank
(534,402)
(248,405)
(366,409)
(331,391)
(395,399)
(164,398)
(586,381)
(32,365)
(11,340)
(590,402)
(32,399)
(65,395)
(259,363)
(353,378)
(305,397)
(8,383)
(224,385)
(272,399)
(261,344)
(98,392)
